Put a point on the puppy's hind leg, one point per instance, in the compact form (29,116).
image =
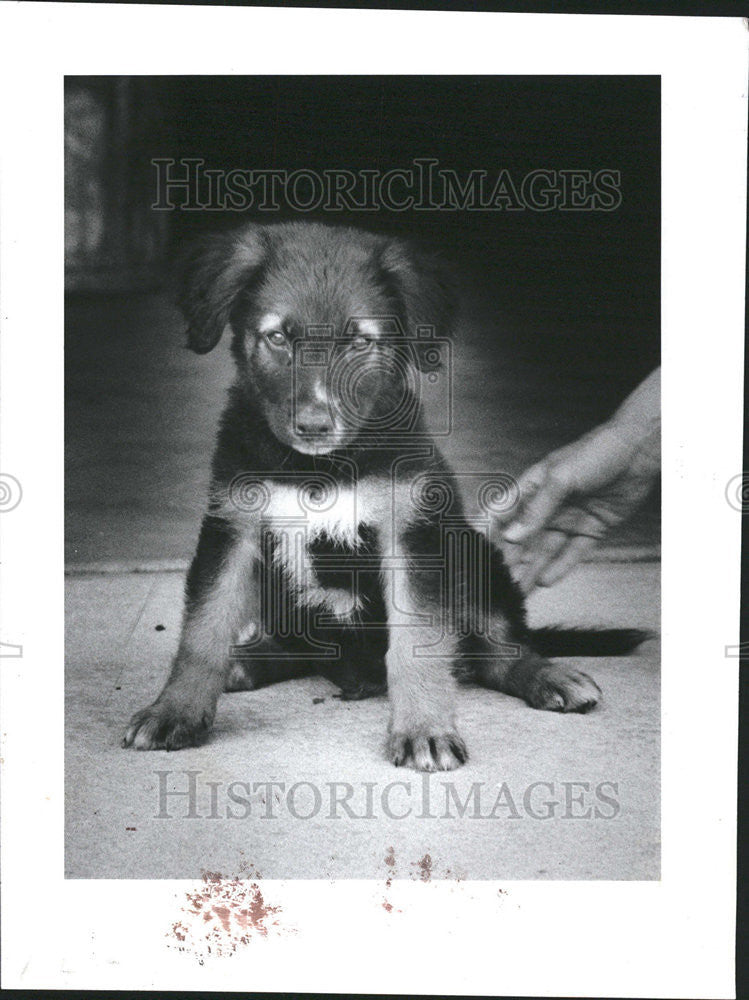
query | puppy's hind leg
(506,661)
(244,675)
(542,684)
(257,662)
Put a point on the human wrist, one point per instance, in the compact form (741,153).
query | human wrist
(637,424)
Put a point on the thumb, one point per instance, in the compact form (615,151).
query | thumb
(540,495)
(525,486)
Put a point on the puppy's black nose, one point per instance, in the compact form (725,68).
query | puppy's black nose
(312,427)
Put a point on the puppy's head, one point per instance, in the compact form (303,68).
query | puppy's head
(324,326)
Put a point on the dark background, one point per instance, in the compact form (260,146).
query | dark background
(561,309)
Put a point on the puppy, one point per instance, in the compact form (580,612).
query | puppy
(335,540)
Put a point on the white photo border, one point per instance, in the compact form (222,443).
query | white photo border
(662,939)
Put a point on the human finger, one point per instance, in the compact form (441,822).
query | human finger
(514,554)
(526,486)
(577,549)
(538,510)
(546,547)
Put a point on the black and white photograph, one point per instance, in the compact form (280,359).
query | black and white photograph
(362,476)
(372,493)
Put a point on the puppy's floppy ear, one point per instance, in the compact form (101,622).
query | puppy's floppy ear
(421,286)
(210,277)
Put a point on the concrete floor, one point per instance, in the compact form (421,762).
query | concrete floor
(298,732)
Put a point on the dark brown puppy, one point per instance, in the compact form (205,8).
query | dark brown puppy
(335,539)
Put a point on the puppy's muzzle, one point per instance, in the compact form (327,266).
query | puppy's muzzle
(314,425)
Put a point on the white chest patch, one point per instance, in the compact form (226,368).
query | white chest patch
(323,508)
(297,514)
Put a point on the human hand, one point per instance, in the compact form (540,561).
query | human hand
(570,499)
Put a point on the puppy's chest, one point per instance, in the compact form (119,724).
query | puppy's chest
(319,512)
(324,543)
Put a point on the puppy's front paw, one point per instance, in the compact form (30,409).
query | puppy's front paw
(562,689)
(427,751)
(167,725)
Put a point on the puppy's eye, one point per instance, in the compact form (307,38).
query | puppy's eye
(360,342)
(276,338)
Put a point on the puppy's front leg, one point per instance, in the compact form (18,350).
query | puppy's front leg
(419,660)
(221,600)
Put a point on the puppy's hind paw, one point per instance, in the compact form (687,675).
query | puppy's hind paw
(426,751)
(367,689)
(561,689)
(164,726)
